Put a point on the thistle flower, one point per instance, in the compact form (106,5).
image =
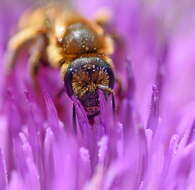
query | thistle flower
(148,145)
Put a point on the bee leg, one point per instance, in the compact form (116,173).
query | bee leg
(37,53)
(103,16)
(119,88)
(18,43)
(109,45)
(74,119)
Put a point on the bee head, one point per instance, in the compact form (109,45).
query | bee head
(84,77)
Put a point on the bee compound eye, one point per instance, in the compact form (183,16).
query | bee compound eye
(68,81)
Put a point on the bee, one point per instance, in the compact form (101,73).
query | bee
(77,46)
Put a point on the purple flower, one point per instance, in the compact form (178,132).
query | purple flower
(149,143)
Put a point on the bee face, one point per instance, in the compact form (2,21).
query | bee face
(83,78)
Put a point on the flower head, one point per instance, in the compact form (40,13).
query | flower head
(147,144)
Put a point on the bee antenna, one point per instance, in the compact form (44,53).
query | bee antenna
(74,119)
(113,104)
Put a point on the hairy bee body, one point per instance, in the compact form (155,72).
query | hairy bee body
(77,46)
